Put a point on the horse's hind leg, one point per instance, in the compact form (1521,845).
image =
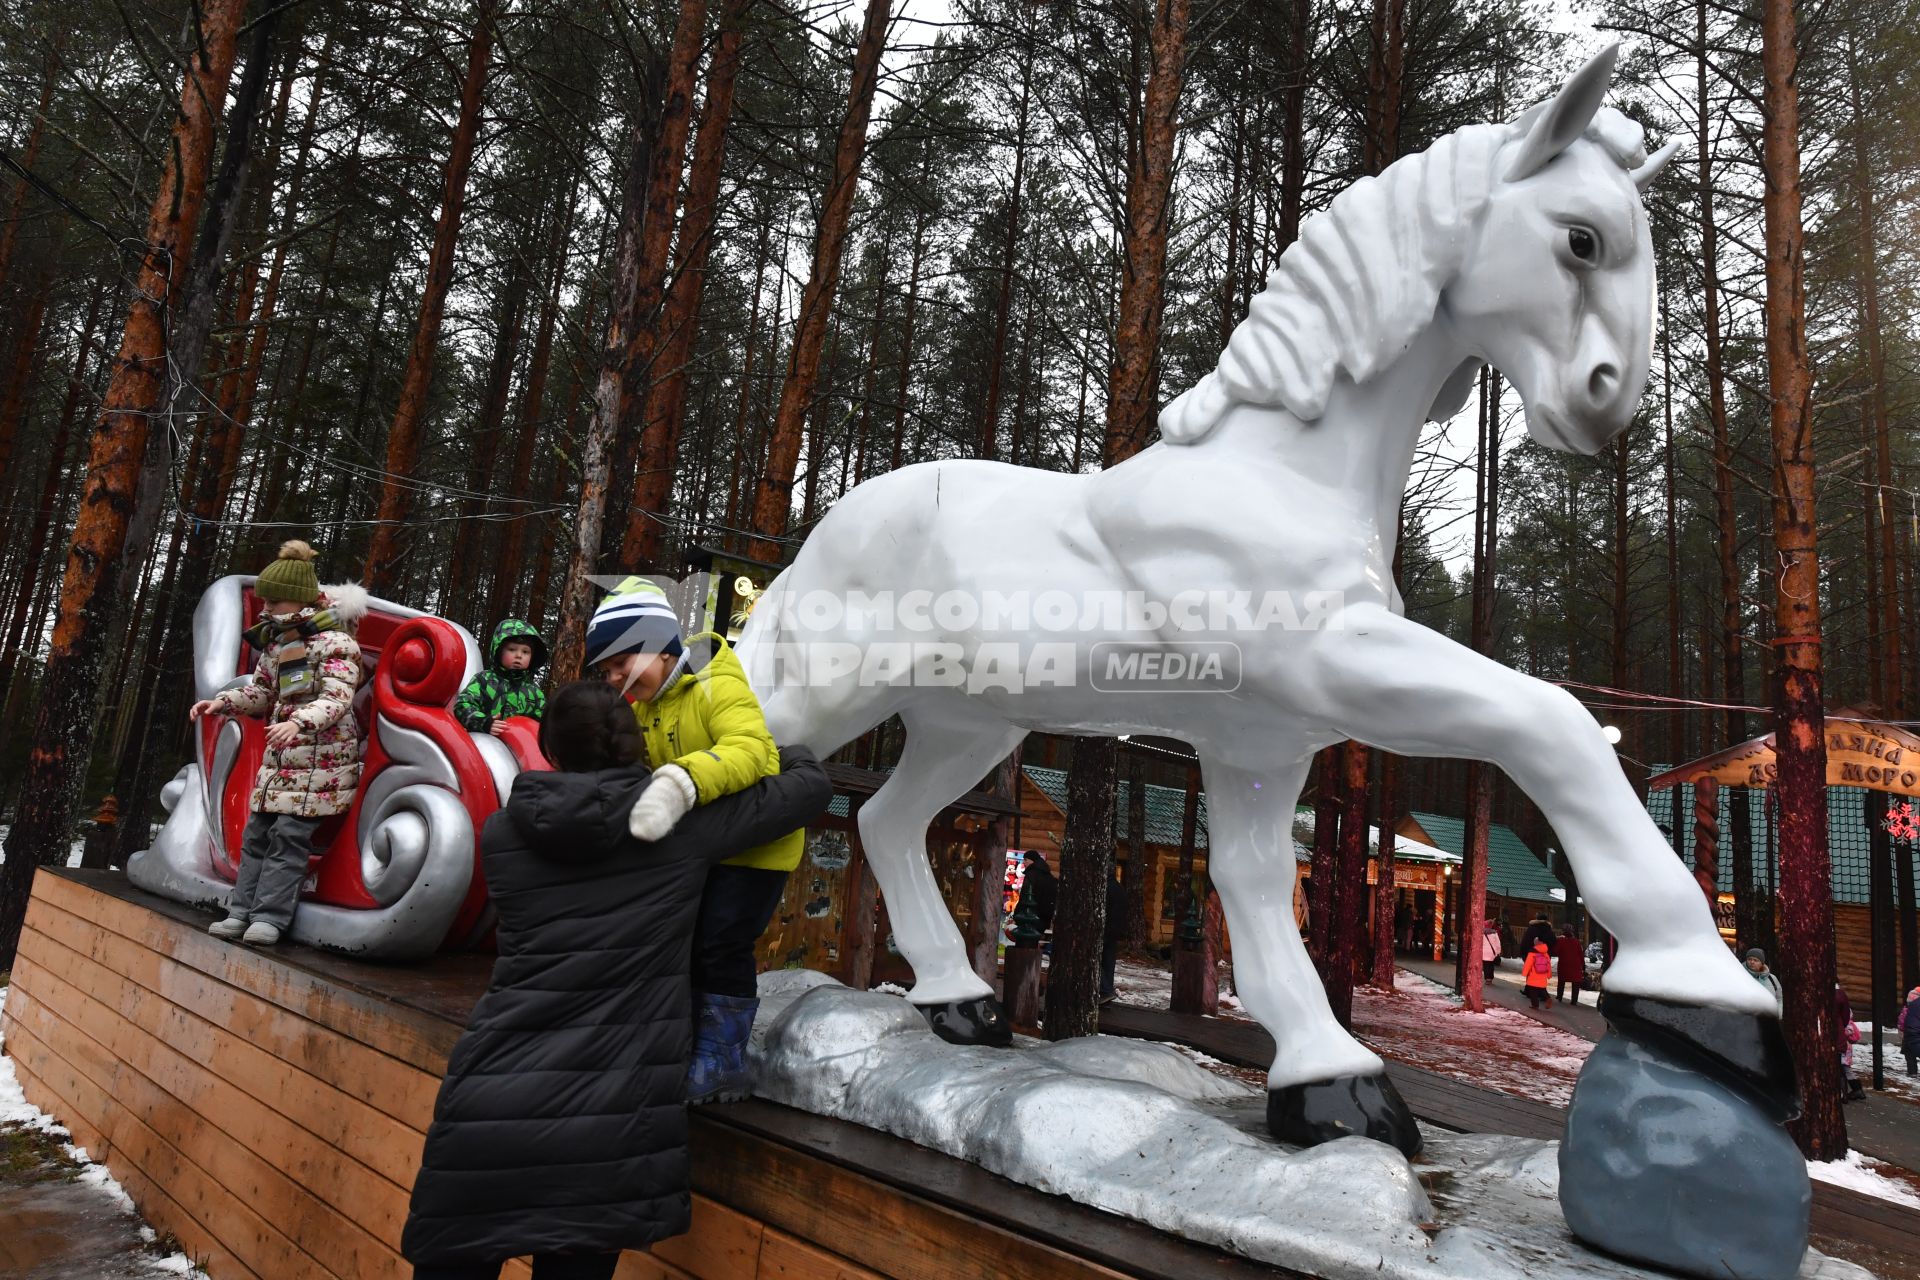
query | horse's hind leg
(947,754)
(1324,1084)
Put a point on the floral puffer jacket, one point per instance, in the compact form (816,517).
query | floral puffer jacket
(314,776)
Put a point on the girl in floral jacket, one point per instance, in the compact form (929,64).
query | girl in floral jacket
(303,685)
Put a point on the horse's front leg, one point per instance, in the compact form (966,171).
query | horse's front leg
(1323,1084)
(1398,686)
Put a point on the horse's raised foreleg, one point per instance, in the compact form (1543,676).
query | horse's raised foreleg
(1396,685)
(1323,1084)
(946,755)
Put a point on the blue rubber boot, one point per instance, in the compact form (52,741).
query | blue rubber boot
(718,1072)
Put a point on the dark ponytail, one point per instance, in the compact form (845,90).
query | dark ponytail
(588,726)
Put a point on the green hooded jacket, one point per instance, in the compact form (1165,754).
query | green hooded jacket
(706,720)
(497,693)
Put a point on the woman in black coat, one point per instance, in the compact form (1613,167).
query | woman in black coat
(561,1128)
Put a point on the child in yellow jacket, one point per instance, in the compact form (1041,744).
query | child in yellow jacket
(706,737)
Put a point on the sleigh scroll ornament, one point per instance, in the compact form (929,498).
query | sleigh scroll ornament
(397,878)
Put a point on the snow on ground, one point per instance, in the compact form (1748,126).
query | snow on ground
(1425,1025)
(89,1178)
(1865,1174)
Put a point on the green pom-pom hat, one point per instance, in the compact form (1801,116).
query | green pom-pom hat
(290,577)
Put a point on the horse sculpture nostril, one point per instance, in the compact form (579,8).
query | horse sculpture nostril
(1602,383)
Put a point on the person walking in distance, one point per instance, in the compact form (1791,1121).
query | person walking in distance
(1909,1025)
(1757,966)
(1572,968)
(1537,968)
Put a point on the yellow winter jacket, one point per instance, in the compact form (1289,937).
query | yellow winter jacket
(708,722)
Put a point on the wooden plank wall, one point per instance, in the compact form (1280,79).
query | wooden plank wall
(270,1119)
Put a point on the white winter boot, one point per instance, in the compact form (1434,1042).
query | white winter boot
(261,934)
(228,929)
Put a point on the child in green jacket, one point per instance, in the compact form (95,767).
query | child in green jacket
(510,686)
(706,737)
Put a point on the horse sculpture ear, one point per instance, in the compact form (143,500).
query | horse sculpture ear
(1559,125)
(1643,176)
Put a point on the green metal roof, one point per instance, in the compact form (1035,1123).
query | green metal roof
(1166,807)
(1847,835)
(1513,870)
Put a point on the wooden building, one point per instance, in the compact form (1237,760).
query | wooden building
(1849,851)
(1423,867)
(1870,764)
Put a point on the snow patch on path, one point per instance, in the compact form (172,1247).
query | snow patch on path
(1866,1175)
(1425,1025)
(17,1112)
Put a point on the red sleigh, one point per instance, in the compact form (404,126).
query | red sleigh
(399,875)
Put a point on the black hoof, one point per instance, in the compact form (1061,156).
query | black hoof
(1747,1051)
(1351,1106)
(980,1020)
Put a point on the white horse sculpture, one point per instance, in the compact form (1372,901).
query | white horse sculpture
(1523,245)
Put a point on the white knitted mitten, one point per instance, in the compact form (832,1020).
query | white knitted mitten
(664,802)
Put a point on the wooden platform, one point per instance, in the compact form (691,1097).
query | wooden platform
(269,1111)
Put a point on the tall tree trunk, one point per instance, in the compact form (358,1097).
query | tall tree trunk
(507,573)
(64,724)
(905,379)
(26,350)
(1329,784)
(773,497)
(1080,914)
(1806,888)
(611,388)
(1130,407)
(192,325)
(1882,574)
(29,156)
(666,407)
(1733,661)
(1350,905)
(483,446)
(643,327)
(1676,683)
(1468,920)
(1385,893)
(48,506)
(1087,859)
(856,464)
(409,418)
(1139,868)
(1009,252)
(1293,121)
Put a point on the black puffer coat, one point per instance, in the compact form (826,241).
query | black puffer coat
(562,1126)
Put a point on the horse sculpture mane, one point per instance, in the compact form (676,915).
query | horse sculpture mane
(1336,304)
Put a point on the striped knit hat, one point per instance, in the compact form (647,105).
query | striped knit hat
(636,617)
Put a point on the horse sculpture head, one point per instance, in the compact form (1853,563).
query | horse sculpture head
(1526,240)
(1557,290)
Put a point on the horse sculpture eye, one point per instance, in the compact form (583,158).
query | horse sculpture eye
(1583,244)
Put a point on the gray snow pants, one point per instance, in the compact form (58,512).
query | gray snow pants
(273,862)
